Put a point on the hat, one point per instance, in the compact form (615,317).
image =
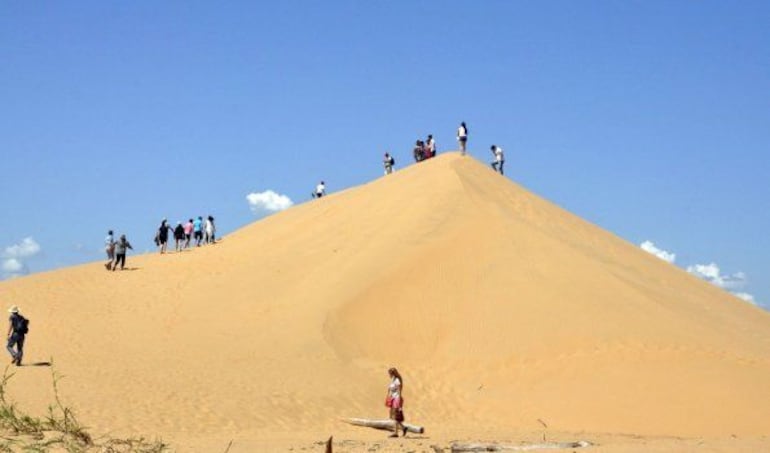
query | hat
(13,309)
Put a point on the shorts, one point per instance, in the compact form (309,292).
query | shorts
(394,403)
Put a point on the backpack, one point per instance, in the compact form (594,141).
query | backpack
(22,325)
(392,161)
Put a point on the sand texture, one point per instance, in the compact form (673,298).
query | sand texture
(508,317)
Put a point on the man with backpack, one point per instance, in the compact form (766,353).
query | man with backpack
(18,326)
(388,162)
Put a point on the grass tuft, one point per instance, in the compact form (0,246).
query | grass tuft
(59,430)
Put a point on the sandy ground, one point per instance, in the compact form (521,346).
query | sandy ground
(499,308)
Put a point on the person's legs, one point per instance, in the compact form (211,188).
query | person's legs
(19,349)
(119,258)
(11,344)
(462,146)
(501,166)
(393,417)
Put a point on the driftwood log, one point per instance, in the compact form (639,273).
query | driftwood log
(459,448)
(388,425)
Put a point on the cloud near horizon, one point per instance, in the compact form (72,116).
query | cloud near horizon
(708,272)
(268,202)
(712,273)
(649,247)
(13,257)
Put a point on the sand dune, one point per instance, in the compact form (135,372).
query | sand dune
(499,308)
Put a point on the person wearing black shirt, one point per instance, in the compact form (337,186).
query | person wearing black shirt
(16,332)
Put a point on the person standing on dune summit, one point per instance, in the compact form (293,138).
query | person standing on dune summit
(462,137)
(430,146)
(395,402)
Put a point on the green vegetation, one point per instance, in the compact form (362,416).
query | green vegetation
(58,430)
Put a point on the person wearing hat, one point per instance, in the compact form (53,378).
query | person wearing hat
(17,330)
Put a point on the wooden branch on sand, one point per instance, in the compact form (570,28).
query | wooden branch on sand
(388,425)
(458,448)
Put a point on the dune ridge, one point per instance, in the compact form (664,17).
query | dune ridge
(499,308)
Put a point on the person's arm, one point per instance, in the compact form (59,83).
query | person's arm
(10,328)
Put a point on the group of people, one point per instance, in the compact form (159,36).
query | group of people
(116,251)
(18,326)
(199,230)
(427,149)
(424,149)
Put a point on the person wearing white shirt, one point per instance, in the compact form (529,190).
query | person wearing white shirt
(320,190)
(388,162)
(430,145)
(499,158)
(462,137)
(109,247)
(395,401)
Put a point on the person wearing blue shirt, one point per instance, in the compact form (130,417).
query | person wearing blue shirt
(198,230)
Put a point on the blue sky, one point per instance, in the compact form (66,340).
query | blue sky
(650,119)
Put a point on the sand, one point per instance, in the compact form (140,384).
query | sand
(503,312)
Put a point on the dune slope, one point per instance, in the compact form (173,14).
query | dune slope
(499,308)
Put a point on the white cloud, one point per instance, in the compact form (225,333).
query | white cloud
(709,272)
(13,258)
(747,297)
(712,273)
(12,266)
(268,201)
(649,247)
(25,249)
